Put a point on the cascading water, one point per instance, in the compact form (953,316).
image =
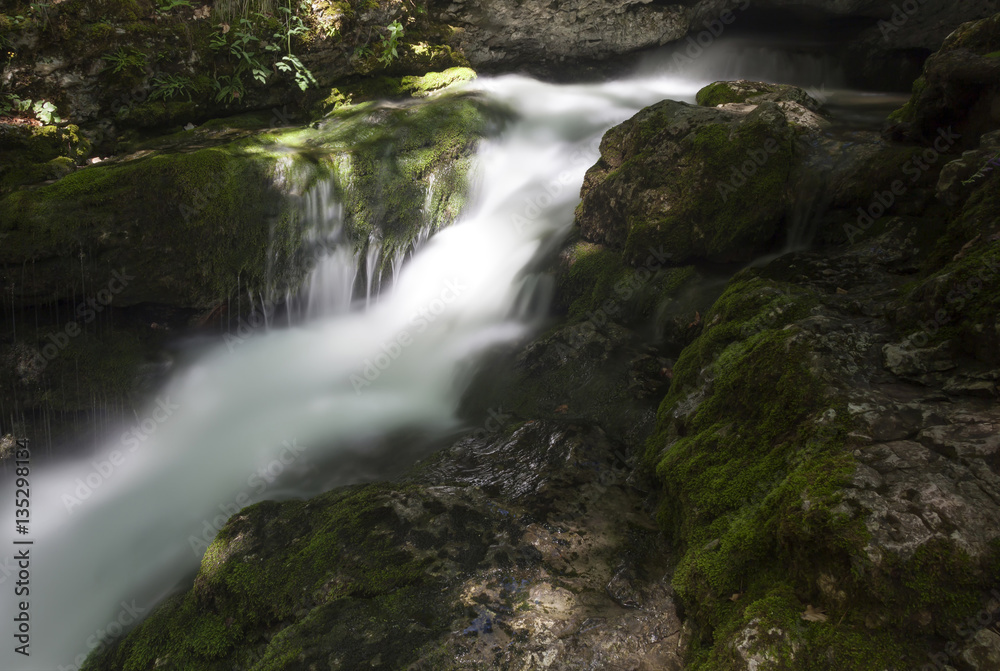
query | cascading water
(252,419)
(298,396)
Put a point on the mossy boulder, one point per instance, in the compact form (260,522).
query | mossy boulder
(31,154)
(191,222)
(702,183)
(781,463)
(959,88)
(743,91)
(353,575)
(388,88)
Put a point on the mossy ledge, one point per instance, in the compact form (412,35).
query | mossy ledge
(347,559)
(753,450)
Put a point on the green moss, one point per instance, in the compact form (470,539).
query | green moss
(421,86)
(189,224)
(751,451)
(339,577)
(707,215)
(723,93)
(907,111)
(101,32)
(719,93)
(385,87)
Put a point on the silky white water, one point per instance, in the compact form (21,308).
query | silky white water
(117,530)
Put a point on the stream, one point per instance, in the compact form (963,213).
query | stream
(295,409)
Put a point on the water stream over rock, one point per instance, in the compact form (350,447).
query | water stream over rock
(253,416)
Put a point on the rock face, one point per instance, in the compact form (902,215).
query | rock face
(114,65)
(496,34)
(680,177)
(960,86)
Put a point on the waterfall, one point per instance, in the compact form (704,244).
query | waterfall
(275,412)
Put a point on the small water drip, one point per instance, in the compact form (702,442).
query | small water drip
(372,256)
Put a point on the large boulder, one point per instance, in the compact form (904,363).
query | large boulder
(196,216)
(702,183)
(960,87)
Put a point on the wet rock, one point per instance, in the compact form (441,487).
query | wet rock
(521,554)
(677,177)
(982,653)
(960,87)
(754,93)
(500,34)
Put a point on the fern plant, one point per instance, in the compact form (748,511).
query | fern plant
(125,59)
(166,87)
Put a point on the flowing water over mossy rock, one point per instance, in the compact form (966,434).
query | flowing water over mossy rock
(703,183)
(194,222)
(743,91)
(523,543)
(959,88)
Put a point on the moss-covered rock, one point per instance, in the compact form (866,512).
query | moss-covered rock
(191,224)
(31,154)
(789,559)
(388,88)
(754,93)
(288,585)
(702,183)
(959,88)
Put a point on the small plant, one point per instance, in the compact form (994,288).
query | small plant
(165,6)
(239,49)
(390,42)
(289,62)
(45,112)
(166,87)
(229,87)
(11,104)
(124,59)
(303,77)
